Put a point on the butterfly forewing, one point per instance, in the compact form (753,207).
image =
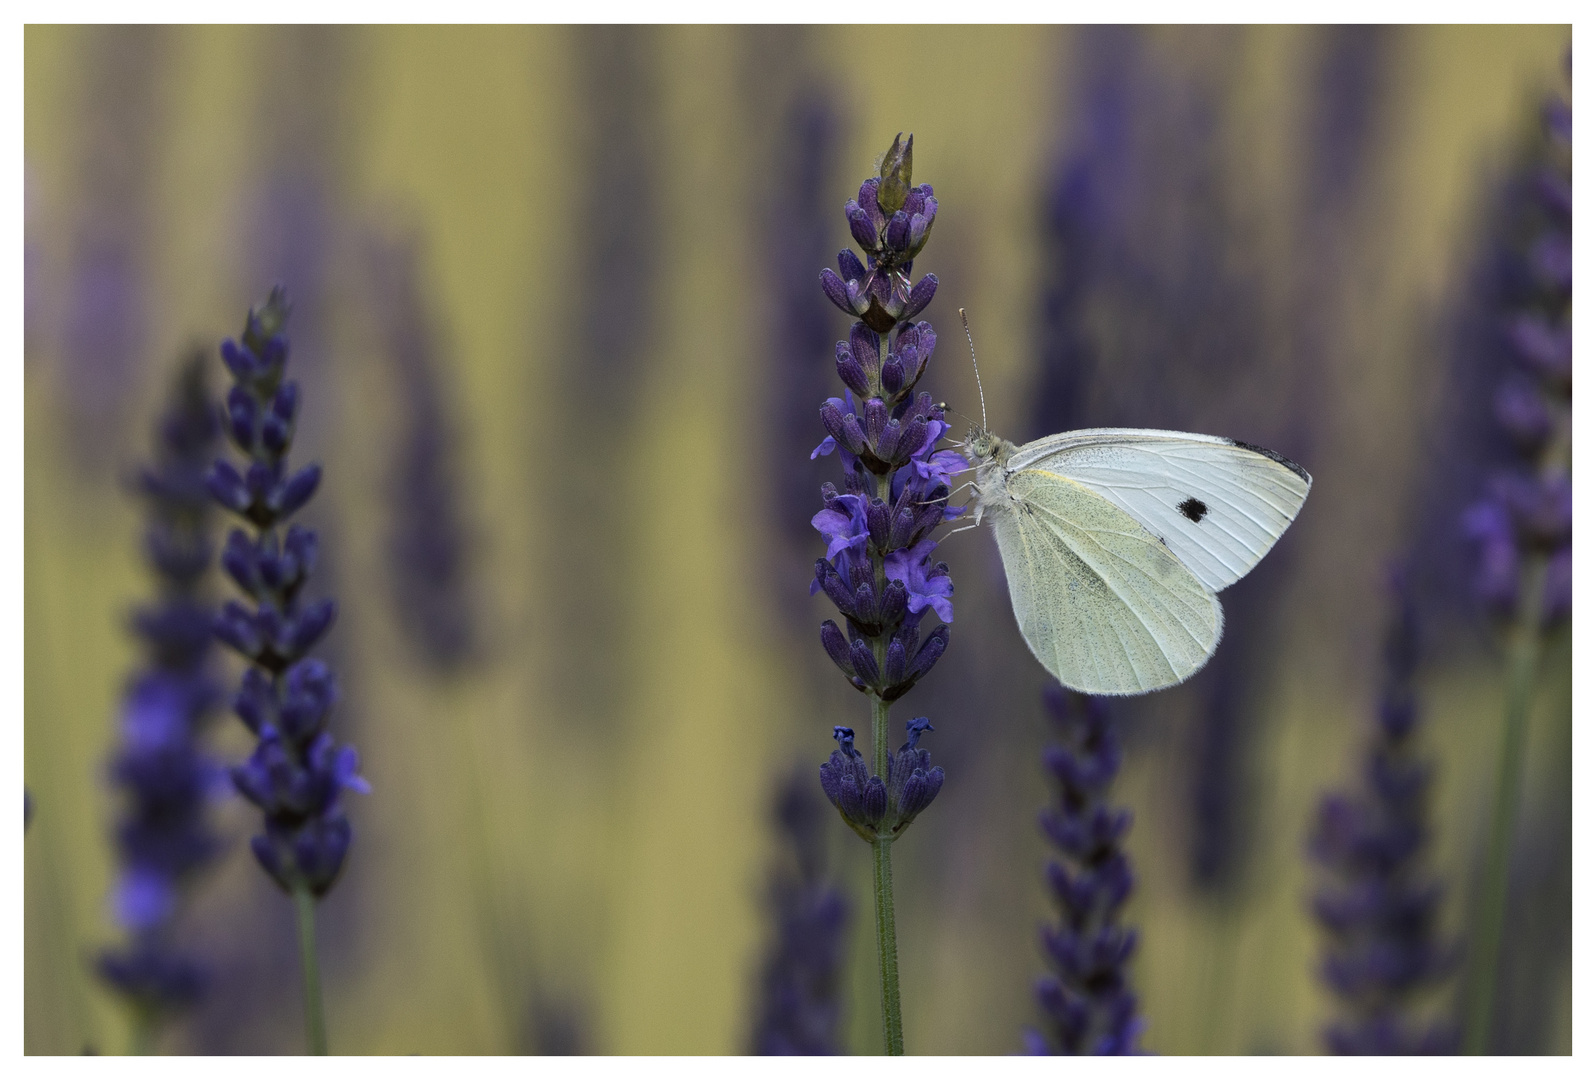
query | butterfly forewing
(1219,505)
(1102,602)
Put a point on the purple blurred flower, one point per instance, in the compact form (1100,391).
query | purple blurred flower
(427,540)
(800,1000)
(1379,908)
(166,777)
(1087,1004)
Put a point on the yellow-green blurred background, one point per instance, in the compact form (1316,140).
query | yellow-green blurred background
(589,222)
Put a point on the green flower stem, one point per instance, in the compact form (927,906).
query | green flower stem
(881,847)
(886,921)
(1486,939)
(315,1022)
(142,1040)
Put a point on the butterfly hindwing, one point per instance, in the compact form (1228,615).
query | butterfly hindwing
(1102,602)
(1219,505)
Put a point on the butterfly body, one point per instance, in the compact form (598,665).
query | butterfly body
(1116,541)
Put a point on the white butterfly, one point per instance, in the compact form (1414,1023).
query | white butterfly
(1115,541)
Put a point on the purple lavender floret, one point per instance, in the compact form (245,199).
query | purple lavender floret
(166,776)
(1086,1002)
(800,1003)
(1379,908)
(298,773)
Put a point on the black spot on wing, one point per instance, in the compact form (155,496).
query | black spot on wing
(1278,458)
(1194,508)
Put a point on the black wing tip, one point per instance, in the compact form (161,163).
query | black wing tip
(1272,456)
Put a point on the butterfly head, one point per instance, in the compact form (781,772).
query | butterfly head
(985,448)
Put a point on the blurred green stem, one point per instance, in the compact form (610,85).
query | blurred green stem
(886,922)
(1485,944)
(142,1040)
(315,1022)
(496,947)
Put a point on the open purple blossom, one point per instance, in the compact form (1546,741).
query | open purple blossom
(1086,1001)
(801,983)
(297,774)
(165,775)
(1379,907)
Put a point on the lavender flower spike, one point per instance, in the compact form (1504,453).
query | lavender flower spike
(1087,1002)
(878,567)
(800,1001)
(1378,907)
(1523,526)
(167,778)
(297,774)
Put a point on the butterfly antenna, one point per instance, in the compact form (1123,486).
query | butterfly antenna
(971,339)
(945,407)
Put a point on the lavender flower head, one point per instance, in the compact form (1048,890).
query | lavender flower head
(800,1003)
(1527,508)
(164,773)
(878,527)
(1379,908)
(1087,1003)
(297,774)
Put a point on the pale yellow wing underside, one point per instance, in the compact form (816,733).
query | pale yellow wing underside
(1103,603)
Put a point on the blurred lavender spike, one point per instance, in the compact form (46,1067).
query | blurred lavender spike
(165,775)
(1522,531)
(104,337)
(797,223)
(428,544)
(1087,1004)
(1379,907)
(800,986)
(613,288)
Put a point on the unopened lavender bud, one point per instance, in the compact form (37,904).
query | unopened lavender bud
(227,487)
(865,344)
(844,427)
(242,418)
(919,296)
(836,646)
(874,804)
(892,375)
(297,491)
(851,372)
(876,416)
(898,231)
(878,518)
(897,662)
(836,290)
(864,233)
(935,645)
(887,446)
(864,661)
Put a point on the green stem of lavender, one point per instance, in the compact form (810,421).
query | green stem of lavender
(142,1041)
(881,846)
(886,921)
(1486,942)
(315,1022)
